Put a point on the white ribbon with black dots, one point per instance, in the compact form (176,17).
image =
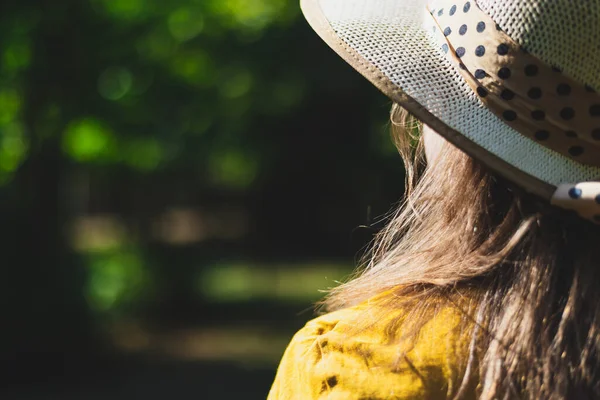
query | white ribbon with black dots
(535,99)
(583,198)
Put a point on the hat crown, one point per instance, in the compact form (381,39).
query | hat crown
(562,33)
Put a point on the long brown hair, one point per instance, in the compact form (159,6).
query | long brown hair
(532,271)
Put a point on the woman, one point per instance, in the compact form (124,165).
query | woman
(484,284)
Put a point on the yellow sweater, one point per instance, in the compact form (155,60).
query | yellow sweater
(331,359)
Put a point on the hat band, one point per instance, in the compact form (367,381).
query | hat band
(583,198)
(533,98)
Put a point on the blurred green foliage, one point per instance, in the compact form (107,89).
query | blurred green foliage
(282,283)
(143,54)
(200,160)
(116,278)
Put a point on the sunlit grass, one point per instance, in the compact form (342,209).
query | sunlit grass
(242,345)
(120,275)
(280,282)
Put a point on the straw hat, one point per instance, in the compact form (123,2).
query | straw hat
(510,82)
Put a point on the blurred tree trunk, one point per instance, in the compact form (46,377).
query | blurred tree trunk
(45,321)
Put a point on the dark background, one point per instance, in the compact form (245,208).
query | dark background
(179,180)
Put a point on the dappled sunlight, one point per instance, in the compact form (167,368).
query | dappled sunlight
(94,233)
(119,273)
(164,166)
(176,226)
(180,41)
(91,140)
(180,226)
(278,282)
(246,345)
(186,21)
(252,14)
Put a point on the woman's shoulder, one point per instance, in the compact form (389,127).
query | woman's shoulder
(376,351)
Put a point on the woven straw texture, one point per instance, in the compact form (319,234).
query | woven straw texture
(562,33)
(400,39)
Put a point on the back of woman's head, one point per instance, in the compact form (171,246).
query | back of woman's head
(515,85)
(532,270)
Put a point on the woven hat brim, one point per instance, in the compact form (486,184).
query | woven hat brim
(387,42)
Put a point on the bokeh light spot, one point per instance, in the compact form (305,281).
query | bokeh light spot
(123,9)
(185,23)
(98,233)
(233,168)
(16,56)
(10,105)
(88,139)
(195,68)
(143,154)
(156,45)
(115,278)
(114,83)
(14,146)
(237,85)
(250,14)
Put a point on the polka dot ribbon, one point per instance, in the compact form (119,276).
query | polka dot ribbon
(535,99)
(583,198)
